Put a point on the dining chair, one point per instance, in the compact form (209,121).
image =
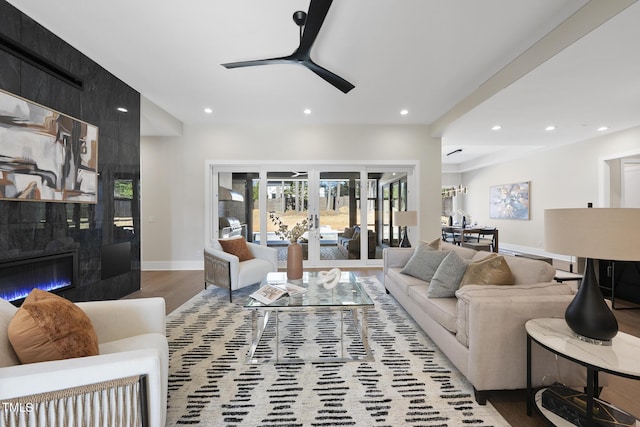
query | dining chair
(484,240)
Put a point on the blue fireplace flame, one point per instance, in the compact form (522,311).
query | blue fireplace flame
(51,272)
(18,294)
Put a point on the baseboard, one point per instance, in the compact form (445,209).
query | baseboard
(172,265)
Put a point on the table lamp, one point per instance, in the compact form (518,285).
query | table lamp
(405,219)
(593,233)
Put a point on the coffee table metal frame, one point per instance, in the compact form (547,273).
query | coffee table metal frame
(347,296)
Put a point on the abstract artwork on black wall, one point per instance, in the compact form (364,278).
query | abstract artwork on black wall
(45,155)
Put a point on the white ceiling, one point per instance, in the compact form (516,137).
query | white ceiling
(444,61)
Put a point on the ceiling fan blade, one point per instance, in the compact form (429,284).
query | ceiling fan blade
(318,10)
(268,61)
(330,77)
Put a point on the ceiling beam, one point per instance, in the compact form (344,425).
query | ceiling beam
(589,17)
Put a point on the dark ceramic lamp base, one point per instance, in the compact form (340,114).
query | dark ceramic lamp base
(588,315)
(405,243)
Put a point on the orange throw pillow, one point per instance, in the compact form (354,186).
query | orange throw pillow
(238,247)
(49,327)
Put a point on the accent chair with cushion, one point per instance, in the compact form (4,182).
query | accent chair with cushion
(131,357)
(235,263)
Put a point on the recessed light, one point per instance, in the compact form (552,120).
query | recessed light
(603,128)
(550,128)
(208,110)
(122,110)
(307,111)
(496,127)
(404,112)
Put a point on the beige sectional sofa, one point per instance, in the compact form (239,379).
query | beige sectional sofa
(481,328)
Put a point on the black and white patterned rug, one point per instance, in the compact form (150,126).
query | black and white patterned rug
(410,382)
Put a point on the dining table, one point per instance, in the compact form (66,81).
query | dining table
(458,233)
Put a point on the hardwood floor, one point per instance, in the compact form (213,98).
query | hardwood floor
(177,287)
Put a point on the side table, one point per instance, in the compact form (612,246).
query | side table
(620,358)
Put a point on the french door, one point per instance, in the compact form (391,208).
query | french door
(339,208)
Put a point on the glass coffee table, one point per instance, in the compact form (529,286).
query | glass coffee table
(347,297)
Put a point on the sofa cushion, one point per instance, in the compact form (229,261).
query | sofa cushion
(424,262)
(464,253)
(526,270)
(49,327)
(404,281)
(446,280)
(442,310)
(8,357)
(489,271)
(467,293)
(237,246)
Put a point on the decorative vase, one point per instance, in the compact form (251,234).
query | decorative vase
(588,315)
(294,261)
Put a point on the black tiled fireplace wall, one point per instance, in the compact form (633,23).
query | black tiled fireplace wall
(36,228)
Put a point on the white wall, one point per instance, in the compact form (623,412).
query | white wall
(632,183)
(173,174)
(566,177)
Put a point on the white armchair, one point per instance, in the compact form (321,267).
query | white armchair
(226,271)
(132,341)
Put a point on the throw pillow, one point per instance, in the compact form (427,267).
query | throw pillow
(435,244)
(424,262)
(238,247)
(446,280)
(8,357)
(489,271)
(49,327)
(348,233)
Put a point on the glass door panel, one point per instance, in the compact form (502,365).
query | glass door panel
(287,195)
(374,216)
(237,205)
(386,214)
(338,213)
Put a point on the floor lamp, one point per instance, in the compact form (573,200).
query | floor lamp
(593,233)
(405,219)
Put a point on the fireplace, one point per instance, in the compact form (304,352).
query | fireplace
(53,272)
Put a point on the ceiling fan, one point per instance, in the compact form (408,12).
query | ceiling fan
(310,24)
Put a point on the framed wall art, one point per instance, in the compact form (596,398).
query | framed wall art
(509,201)
(45,155)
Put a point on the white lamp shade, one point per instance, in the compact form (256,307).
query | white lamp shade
(405,218)
(597,233)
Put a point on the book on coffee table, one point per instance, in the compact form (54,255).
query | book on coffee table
(269,293)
